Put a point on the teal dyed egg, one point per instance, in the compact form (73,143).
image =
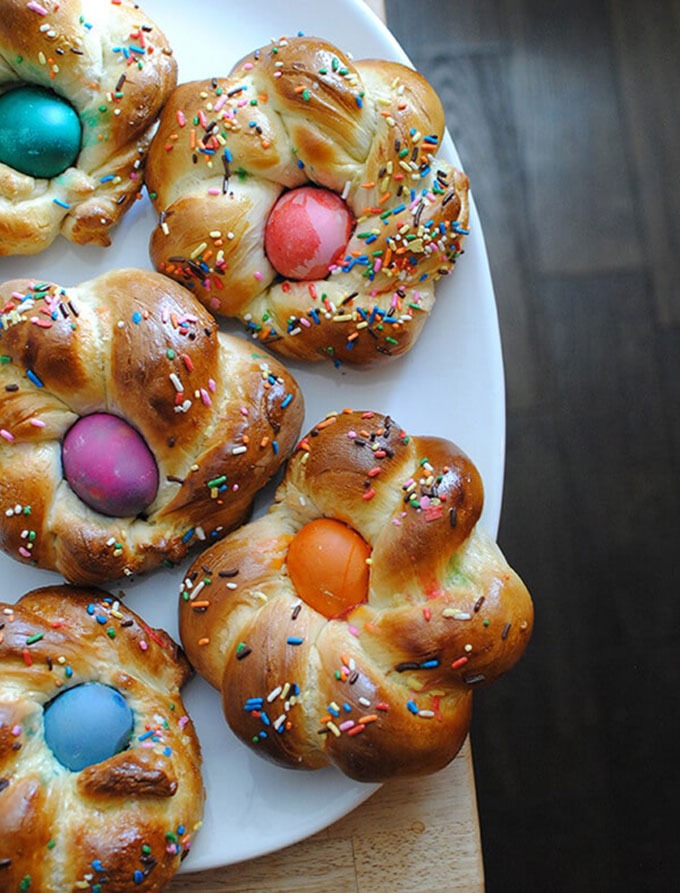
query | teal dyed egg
(87,724)
(40,133)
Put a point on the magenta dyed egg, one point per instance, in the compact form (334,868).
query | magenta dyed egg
(306,232)
(109,465)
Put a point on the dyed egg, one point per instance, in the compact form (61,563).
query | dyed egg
(87,724)
(307,231)
(40,132)
(109,465)
(327,566)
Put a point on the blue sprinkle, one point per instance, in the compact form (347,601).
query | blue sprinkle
(294,640)
(412,706)
(227,154)
(265,719)
(275,446)
(370,239)
(333,710)
(69,672)
(360,102)
(180,830)
(138,877)
(314,313)
(398,209)
(90,609)
(431,138)
(167,751)
(136,49)
(97,865)
(253,704)
(187,536)
(347,707)
(263,735)
(300,164)
(58,201)
(425,171)
(31,376)
(101,619)
(136,317)
(296,688)
(286,400)
(146,735)
(429,664)
(107,178)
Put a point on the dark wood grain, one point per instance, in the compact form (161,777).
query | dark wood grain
(565,115)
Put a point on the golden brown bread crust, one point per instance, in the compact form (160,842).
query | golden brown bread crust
(135,344)
(114,65)
(295,112)
(387,690)
(115,818)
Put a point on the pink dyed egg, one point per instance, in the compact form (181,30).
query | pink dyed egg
(307,230)
(109,466)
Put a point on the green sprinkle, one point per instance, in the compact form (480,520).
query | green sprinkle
(5,359)
(305,95)
(51,844)
(31,640)
(170,353)
(215,482)
(111,633)
(25,882)
(391,340)
(335,64)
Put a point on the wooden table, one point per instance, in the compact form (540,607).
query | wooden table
(411,835)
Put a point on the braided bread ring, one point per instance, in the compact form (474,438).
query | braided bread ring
(115,822)
(218,417)
(301,112)
(114,66)
(387,689)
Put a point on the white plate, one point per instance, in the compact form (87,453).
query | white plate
(451,384)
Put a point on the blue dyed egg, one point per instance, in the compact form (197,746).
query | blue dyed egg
(40,133)
(87,724)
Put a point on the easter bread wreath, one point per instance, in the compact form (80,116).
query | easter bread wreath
(82,83)
(351,624)
(305,195)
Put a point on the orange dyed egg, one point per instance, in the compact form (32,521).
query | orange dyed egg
(327,566)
